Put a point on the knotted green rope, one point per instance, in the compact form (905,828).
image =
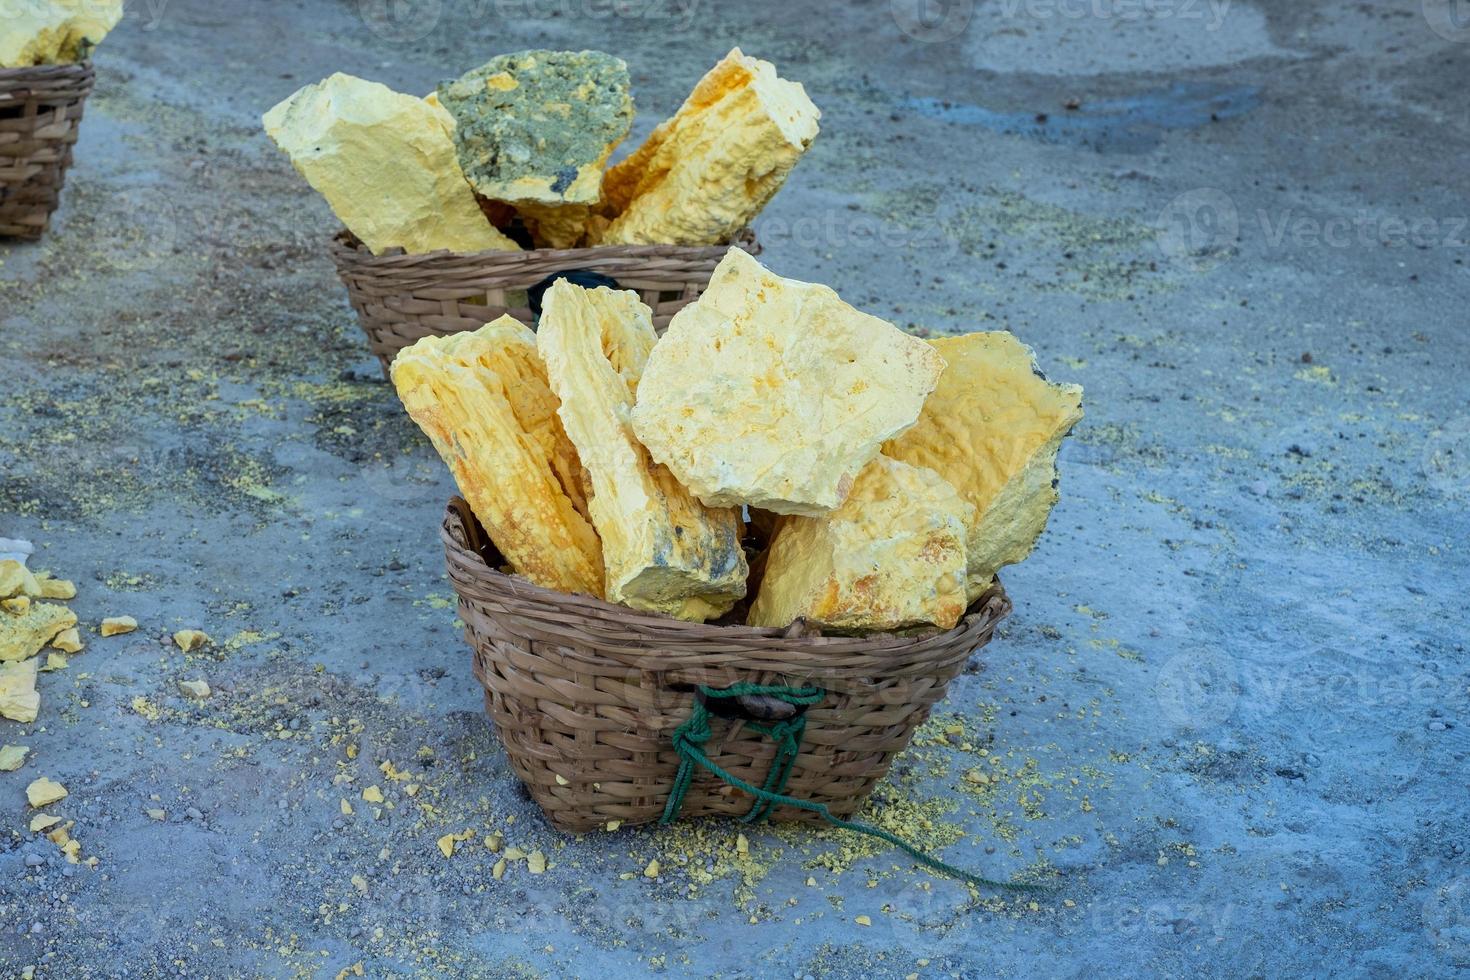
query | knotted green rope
(690,737)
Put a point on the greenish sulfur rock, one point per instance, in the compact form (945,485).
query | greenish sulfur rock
(537,127)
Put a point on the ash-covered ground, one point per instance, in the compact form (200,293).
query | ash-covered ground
(1228,720)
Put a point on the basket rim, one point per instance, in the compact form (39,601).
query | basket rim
(348,250)
(981,615)
(47,83)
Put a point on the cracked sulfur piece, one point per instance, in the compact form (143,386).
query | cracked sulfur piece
(664,550)
(992,429)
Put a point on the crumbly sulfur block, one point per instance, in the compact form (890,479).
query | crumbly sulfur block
(385,163)
(22,636)
(706,172)
(775,393)
(536,127)
(54,32)
(483,400)
(19,699)
(893,555)
(665,551)
(992,428)
(17,580)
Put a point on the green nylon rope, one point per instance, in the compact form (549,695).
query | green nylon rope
(690,736)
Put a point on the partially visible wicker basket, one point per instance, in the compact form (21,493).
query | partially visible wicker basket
(586,694)
(40,116)
(401,298)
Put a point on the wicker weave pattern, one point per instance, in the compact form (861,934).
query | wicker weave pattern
(591,692)
(402,298)
(40,116)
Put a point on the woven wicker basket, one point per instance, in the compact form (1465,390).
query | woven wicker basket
(40,116)
(401,298)
(586,694)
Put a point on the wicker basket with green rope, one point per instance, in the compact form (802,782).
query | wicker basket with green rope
(613,715)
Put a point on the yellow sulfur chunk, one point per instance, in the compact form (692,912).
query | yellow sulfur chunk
(992,429)
(705,173)
(54,32)
(56,588)
(385,163)
(775,393)
(16,580)
(893,555)
(68,640)
(19,700)
(117,625)
(11,757)
(482,398)
(24,635)
(190,640)
(198,690)
(664,551)
(44,792)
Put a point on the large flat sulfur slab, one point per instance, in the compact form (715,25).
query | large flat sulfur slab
(775,393)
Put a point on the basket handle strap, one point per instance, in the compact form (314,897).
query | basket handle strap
(690,737)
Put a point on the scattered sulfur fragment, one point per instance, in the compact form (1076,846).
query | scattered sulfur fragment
(536,862)
(199,690)
(652,870)
(56,588)
(19,700)
(117,625)
(12,757)
(43,821)
(68,640)
(190,640)
(774,393)
(44,792)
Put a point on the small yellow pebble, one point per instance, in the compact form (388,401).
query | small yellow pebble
(811,882)
(190,640)
(652,870)
(613,825)
(56,588)
(157,814)
(11,757)
(498,871)
(198,690)
(446,846)
(863,920)
(360,883)
(68,640)
(742,846)
(41,821)
(44,792)
(536,862)
(494,841)
(346,808)
(118,625)
(562,780)
(373,794)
